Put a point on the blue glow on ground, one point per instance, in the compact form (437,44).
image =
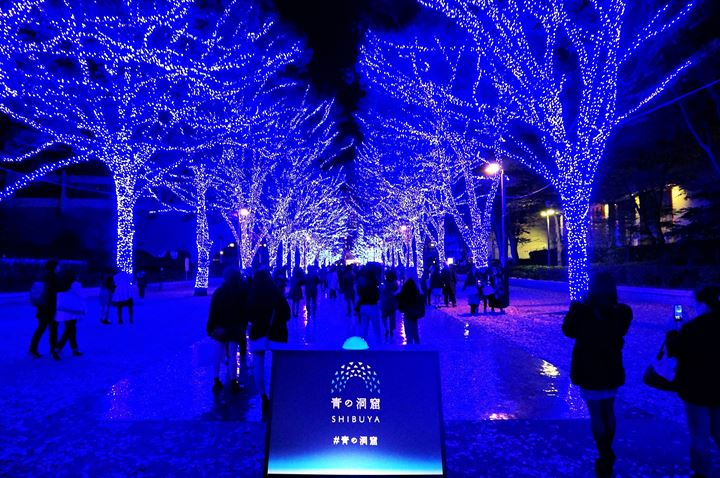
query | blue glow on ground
(354,464)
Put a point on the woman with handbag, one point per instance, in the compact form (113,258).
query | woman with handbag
(697,351)
(598,325)
(227,323)
(269,313)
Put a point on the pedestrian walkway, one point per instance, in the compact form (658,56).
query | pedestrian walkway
(139,402)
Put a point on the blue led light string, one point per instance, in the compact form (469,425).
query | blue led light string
(517,43)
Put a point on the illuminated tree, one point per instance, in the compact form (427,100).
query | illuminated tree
(441,124)
(120,82)
(565,76)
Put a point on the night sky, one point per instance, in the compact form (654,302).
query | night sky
(333,30)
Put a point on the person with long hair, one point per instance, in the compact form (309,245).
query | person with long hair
(269,312)
(411,302)
(696,348)
(599,324)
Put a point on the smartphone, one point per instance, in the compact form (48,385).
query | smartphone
(677,312)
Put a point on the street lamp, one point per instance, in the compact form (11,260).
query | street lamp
(546,214)
(491,169)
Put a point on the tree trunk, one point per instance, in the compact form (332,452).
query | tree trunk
(419,249)
(440,243)
(577,222)
(125,203)
(203,244)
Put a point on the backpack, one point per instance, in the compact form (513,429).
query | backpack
(37,294)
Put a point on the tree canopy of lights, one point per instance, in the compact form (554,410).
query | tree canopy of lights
(437,133)
(565,75)
(132,84)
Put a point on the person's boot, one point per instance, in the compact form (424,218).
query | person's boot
(604,465)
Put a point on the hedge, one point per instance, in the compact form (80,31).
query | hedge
(641,274)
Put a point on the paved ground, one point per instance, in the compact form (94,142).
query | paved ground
(139,403)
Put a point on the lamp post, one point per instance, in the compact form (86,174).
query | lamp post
(491,170)
(546,214)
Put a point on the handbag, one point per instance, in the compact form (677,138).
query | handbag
(660,374)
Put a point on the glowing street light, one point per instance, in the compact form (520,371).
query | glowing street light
(491,169)
(546,214)
(244,212)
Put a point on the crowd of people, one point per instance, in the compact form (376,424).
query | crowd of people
(258,306)
(58,299)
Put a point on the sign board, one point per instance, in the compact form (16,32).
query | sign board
(355,413)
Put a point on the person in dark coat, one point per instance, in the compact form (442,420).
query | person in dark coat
(697,349)
(436,284)
(312,285)
(449,281)
(388,303)
(296,290)
(45,312)
(599,324)
(269,313)
(473,282)
(227,323)
(425,286)
(347,287)
(368,293)
(411,302)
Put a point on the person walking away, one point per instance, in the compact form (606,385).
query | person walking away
(449,284)
(46,307)
(296,293)
(389,303)
(368,292)
(486,287)
(333,283)
(473,283)
(347,287)
(599,324)
(107,287)
(323,278)
(70,308)
(312,283)
(269,312)
(122,297)
(227,325)
(436,284)
(411,302)
(142,282)
(697,351)
(425,286)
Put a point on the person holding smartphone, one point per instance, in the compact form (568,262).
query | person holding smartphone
(696,347)
(599,324)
